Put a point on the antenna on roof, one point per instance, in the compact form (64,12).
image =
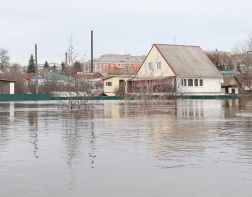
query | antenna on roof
(174,39)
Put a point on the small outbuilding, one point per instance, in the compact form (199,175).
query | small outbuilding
(115,85)
(7,86)
(230,85)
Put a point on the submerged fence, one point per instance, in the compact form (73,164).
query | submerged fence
(24,97)
(48,97)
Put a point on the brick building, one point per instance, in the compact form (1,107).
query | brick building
(114,64)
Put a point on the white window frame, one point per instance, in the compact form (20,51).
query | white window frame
(196,80)
(201,83)
(185,82)
(150,66)
(190,85)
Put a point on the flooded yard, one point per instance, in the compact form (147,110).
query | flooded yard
(125,149)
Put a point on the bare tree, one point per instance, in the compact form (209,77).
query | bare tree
(243,54)
(221,59)
(4,59)
(241,51)
(78,92)
(14,73)
(152,92)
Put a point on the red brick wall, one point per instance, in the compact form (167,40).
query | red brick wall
(112,67)
(4,87)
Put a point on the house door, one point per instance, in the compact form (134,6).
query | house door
(121,87)
(226,90)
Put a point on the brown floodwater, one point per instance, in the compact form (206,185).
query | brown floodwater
(197,148)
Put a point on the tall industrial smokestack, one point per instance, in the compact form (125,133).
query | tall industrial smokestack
(36,55)
(92,53)
(66,60)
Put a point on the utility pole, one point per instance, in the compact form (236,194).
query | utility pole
(36,64)
(92,51)
(66,59)
(36,55)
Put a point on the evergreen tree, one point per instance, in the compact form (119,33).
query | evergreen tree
(46,65)
(31,65)
(63,67)
(77,67)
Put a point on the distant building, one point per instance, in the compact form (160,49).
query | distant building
(230,84)
(43,78)
(185,68)
(229,73)
(7,87)
(115,64)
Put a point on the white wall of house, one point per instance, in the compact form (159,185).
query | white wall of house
(209,86)
(12,88)
(233,90)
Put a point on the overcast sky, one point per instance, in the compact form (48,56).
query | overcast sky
(128,26)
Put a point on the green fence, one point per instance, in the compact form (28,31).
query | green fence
(46,97)
(25,97)
(211,97)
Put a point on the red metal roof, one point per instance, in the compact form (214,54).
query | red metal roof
(150,78)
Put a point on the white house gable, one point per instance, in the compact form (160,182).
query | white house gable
(155,65)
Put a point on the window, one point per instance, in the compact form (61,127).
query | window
(201,82)
(108,83)
(196,82)
(182,82)
(150,65)
(121,82)
(185,84)
(190,82)
(159,65)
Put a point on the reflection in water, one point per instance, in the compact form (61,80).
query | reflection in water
(197,109)
(71,125)
(141,149)
(92,145)
(32,118)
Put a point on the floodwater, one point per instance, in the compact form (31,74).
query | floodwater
(197,148)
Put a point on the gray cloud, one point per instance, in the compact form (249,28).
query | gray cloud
(120,26)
